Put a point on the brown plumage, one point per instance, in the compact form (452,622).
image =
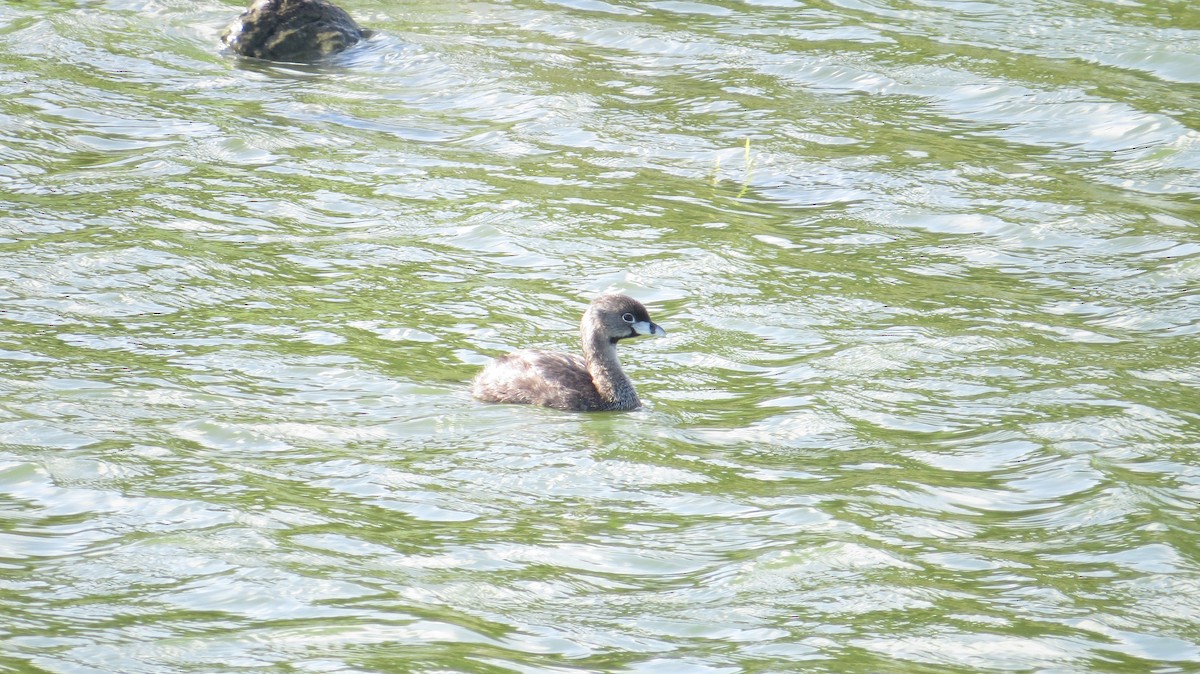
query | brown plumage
(566,381)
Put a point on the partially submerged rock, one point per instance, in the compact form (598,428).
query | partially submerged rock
(292,30)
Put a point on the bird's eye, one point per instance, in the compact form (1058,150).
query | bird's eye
(627,317)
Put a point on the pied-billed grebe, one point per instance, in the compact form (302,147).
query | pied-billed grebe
(292,30)
(566,381)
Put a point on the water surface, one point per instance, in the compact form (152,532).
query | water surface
(927,401)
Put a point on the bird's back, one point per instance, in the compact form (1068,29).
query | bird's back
(536,377)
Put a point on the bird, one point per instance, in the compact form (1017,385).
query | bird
(292,30)
(588,383)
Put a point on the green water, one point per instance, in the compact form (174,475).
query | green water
(927,403)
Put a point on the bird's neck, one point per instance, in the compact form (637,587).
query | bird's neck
(611,382)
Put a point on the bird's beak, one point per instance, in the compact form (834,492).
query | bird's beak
(648,328)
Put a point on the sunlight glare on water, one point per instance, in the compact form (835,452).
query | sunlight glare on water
(927,400)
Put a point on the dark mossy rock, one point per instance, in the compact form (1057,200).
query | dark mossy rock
(292,30)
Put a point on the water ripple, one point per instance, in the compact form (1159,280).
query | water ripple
(927,272)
